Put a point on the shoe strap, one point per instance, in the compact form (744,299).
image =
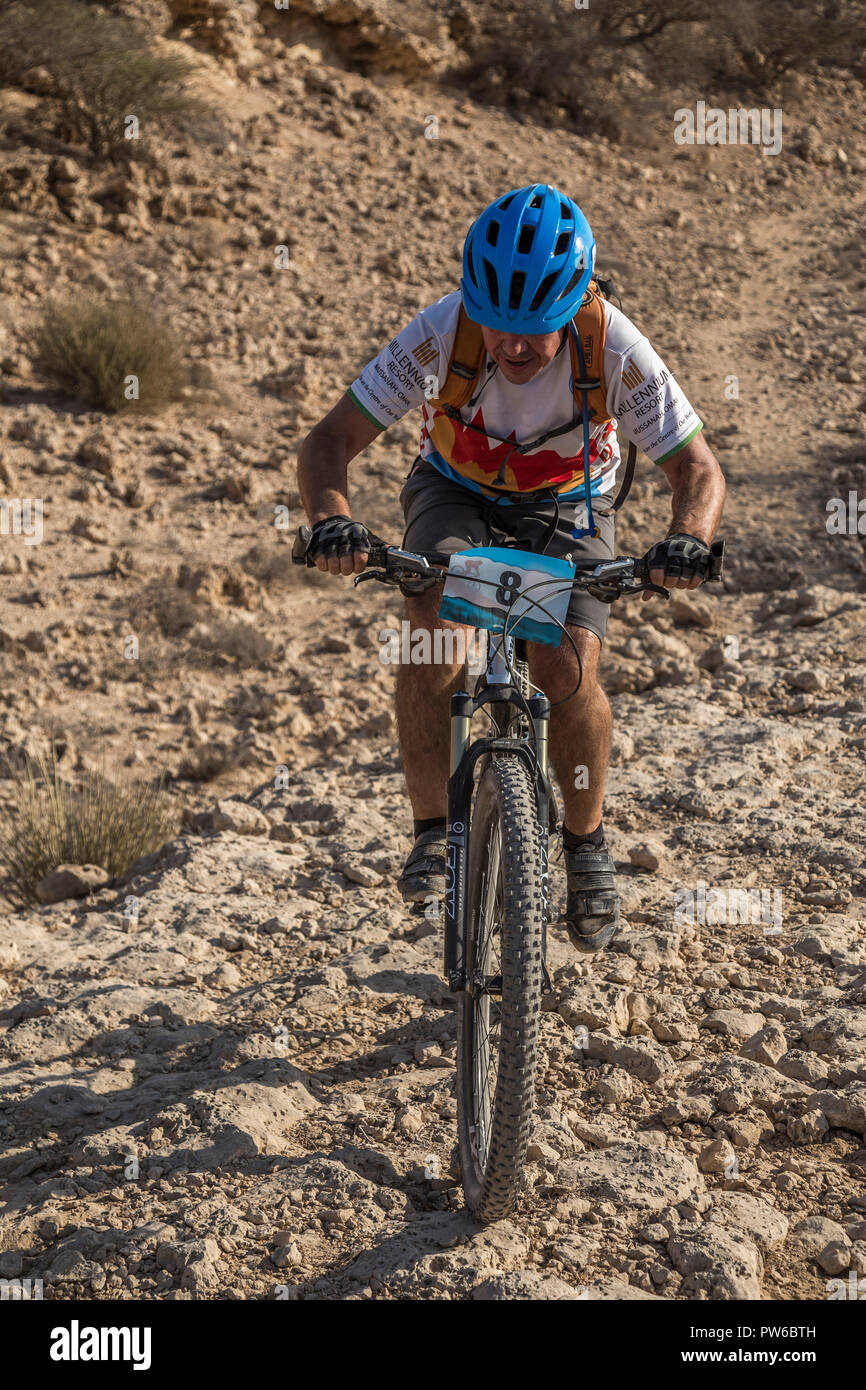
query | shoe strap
(589,859)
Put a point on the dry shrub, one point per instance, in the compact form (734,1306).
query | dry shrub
(90,347)
(748,47)
(101,69)
(591,69)
(99,819)
(546,65)
(155,664)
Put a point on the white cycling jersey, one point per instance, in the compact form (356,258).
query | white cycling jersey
(643,399)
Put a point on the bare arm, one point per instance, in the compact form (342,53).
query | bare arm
(323,465)
(698,488)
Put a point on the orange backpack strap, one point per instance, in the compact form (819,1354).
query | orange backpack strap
(467,355)
(589,322)
(591,326)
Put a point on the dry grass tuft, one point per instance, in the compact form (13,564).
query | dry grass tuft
(114,354)
(100,819)
(98,70)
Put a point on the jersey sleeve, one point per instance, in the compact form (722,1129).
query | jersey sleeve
(408,370)
(643,396)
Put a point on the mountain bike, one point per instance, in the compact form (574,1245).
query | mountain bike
(501,815)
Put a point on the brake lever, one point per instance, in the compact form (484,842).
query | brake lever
(369,574)
(717,562)
(301,547)
(608,595)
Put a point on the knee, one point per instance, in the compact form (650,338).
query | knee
(568,682)
(562,673)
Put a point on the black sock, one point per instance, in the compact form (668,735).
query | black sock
(434,823)
(594,837)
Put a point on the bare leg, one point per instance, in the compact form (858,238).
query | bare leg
(580,729)
(423,713)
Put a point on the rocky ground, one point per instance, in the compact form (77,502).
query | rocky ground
(231,1076)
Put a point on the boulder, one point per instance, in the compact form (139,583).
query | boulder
(71,881)
(718,1262)
(639,1179)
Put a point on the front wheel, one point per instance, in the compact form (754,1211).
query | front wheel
(498,1014)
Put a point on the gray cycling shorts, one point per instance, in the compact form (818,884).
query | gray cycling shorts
(442,515)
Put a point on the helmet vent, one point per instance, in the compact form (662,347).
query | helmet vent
(566,212)
(506,202)
(536,201)
(543,290)
(493,233)
(492,286)
(525,240)
(563,241)
(518,280)
(575,280)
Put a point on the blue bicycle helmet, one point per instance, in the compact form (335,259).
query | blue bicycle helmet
(527,261)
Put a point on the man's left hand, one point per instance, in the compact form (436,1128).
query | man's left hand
(678,562)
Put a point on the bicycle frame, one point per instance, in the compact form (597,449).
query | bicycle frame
(609,580)
(498,690)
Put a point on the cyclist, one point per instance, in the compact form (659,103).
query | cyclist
(507,465)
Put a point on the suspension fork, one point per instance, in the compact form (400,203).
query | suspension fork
(459,792)
(539,713)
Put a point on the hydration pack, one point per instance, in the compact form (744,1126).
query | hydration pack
(586,344)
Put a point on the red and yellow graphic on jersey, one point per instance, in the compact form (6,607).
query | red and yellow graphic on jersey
(474,459)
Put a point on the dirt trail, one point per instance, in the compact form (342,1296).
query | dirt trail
(232,1075)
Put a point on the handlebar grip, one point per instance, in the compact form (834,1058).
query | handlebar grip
(717,560)
(378,556)
(301,547)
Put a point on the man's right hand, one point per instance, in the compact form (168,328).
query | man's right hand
(339,545)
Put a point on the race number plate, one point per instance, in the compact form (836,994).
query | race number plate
(488,584)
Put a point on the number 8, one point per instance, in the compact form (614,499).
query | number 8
(509,583)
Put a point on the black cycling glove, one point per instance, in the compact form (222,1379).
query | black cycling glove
(681,557)
(338,535)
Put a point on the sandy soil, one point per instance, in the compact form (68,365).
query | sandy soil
(231,1076)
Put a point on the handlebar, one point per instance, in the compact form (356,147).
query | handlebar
(608,580)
